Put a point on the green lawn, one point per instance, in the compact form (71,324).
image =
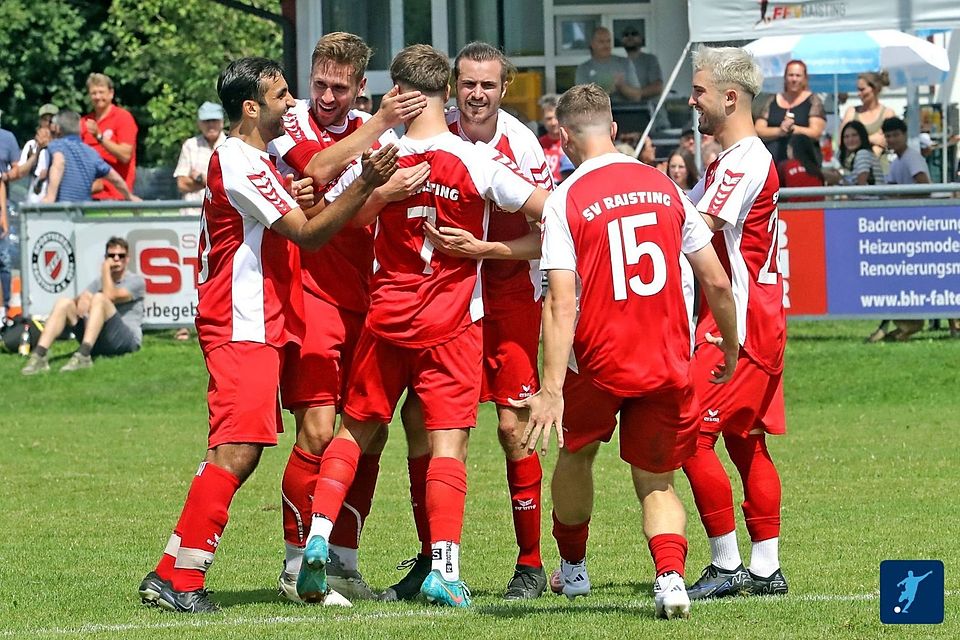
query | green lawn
(95,466)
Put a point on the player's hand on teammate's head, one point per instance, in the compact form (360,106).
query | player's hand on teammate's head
(725,370)
(405,182)
(300,190)
(379,166)
(397,108)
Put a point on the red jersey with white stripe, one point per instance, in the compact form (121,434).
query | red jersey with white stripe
(509,282)
(622,227)
(339,272)
(248,285)
(422,298)
(741,188)
(553,152)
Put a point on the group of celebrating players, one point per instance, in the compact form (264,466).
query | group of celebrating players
(419,275)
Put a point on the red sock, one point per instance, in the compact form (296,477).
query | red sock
(571,539)
(296,491)
(356,506)
(418,499)
(524,477)
(446,496)
(711,487)
(337,470)
(669,551)
(202,522)
(165,566)
(761,485)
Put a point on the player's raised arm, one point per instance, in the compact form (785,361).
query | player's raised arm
(314,233)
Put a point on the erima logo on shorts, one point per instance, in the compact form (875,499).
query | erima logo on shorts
(526,390)
(713,415)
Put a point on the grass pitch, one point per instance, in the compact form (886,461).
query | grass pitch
(96,464)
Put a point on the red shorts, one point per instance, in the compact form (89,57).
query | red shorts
(317,377)
(658,431)
(242,393)
(753,399)
(510,348)
(445,377)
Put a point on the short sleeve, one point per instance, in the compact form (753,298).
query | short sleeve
(498,178)
(695,234)
(136,286)
(183,162)
(630,74)
(862,162)
(817,110)
(28,148)
(917,165)
(126,132)
(101,168)
(737,182)
(338,186)
(557,251)
(256,191)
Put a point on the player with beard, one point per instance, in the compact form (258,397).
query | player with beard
(250,313)
(738,198)
(322,135)
(511,323)
(423,328)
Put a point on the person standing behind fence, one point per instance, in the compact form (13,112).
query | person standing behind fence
(9,156)
(191,170)
(871,113)
(74,166)
(795,110)
(35,159)
(112,132)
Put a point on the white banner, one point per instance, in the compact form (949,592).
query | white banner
(62,254)
(719,20)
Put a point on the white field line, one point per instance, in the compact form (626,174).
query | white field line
(200,622)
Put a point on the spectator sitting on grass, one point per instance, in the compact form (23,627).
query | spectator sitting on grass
(107,317)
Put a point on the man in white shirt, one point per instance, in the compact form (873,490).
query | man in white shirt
(191,171)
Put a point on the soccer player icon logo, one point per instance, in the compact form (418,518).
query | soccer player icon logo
(909,584)
(911,592)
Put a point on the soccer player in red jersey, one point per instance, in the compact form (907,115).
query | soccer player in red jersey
(250,312)
(511,323)
(422,329)
(738,197)
(620,297)
(324,134)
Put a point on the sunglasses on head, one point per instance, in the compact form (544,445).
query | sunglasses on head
(116,256)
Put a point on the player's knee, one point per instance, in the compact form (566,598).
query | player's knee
(238,459)
(315,430)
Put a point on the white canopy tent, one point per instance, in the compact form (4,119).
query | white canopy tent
(725,20)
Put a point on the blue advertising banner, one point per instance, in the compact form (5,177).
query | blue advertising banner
(893,261)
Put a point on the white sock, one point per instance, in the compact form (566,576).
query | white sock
(320,526)
(724,552)
(765,557)
(292,558)
(348,557)
(446,559)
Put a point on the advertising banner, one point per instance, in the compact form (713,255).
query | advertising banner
(720,20)
(872,262)
(63,252)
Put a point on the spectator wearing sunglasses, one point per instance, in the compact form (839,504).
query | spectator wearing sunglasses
(107,317)
(645,64)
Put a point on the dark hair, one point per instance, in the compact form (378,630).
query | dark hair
(861,133)
(693,176)
(117,241)
(687,133)
(893,124)
(242,80)
(806,154)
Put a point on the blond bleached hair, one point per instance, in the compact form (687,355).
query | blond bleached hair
(583,106)
(421,67)
(343,48)
(730,67)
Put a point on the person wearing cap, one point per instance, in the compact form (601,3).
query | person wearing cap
(112,132)
(35,159)
(191,170)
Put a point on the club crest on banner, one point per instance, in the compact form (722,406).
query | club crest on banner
(53,262)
